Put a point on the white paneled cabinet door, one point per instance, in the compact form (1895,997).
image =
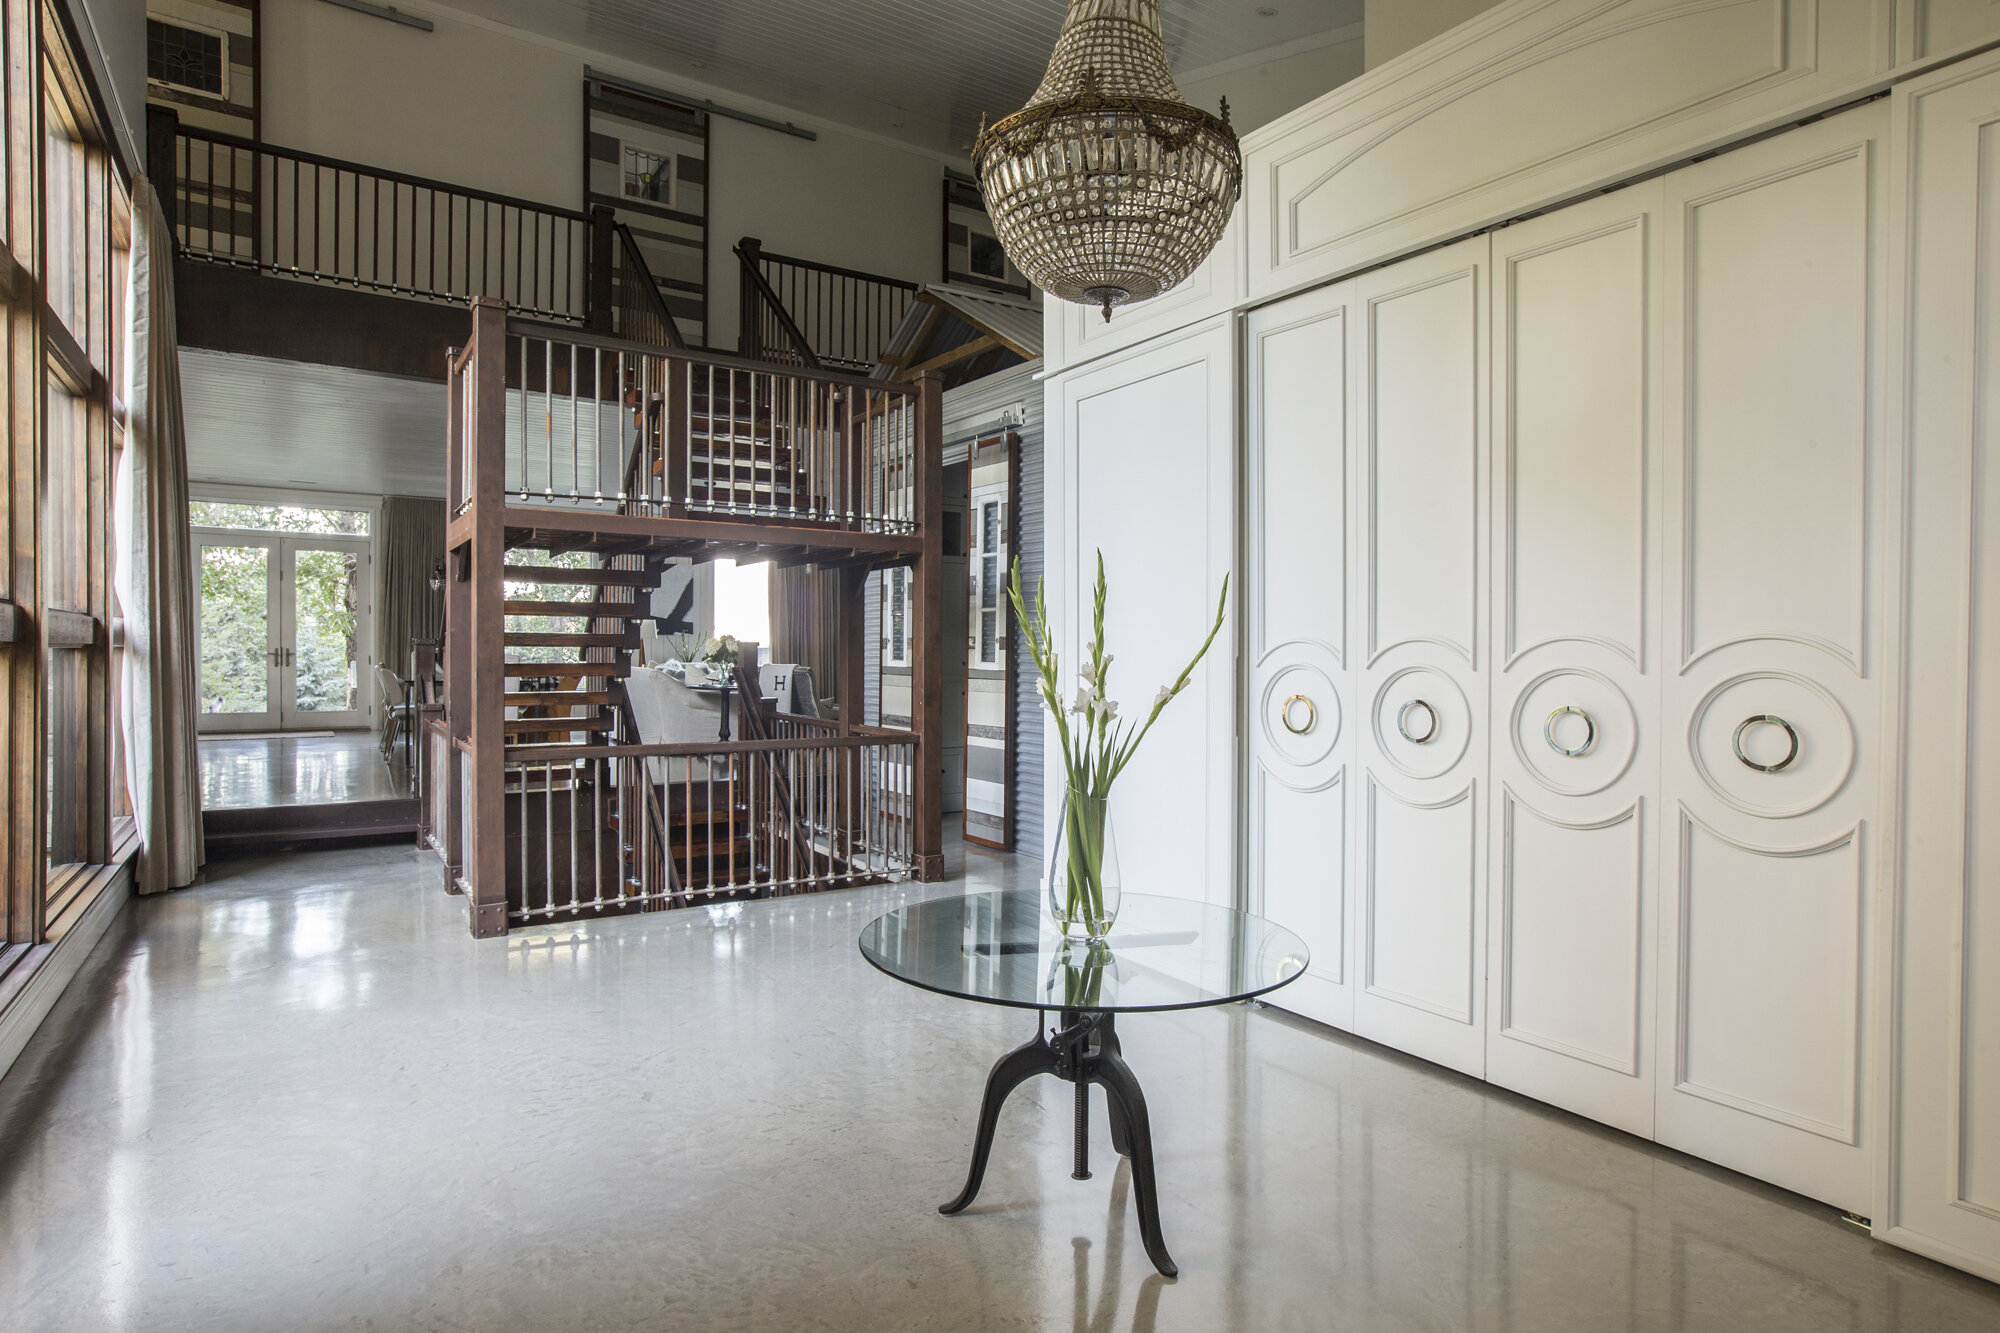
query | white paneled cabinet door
(1298,693)
(1773,549)
(1421,697)
(1941,1190)
(1147,476)
(1576,699)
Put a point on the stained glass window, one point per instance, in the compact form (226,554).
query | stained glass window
(190,58)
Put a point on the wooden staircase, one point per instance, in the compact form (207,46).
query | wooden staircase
(580,709)
(741,457)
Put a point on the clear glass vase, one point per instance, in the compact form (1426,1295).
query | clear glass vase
(1083,875)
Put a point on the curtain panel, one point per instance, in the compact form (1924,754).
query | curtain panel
(805,624)
(154,575)
(412,546)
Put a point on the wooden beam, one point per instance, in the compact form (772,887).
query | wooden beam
(959,353)
(927,646)
(485,625)
(14,282)
(724,535)
(851,599)
(68,629)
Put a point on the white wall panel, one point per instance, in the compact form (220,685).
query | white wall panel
(1940,1176)
(1576,692)
(1529,104)
(1775,256)
(1423,907)
(1424,461)
(1570,972)
(1143,470)
(1299,693)
(1420,491)
(1774,462)
(1928,28)
(1577,353)
(1769,984)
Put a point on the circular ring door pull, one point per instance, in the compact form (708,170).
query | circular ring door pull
(1403,722)
(1736,742)
(1589,732)
(1285,715)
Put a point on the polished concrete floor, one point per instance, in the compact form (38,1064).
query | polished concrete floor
(300,1097)
(299,770)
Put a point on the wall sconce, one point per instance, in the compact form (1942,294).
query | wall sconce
(437,577)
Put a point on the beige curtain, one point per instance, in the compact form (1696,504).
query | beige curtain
(412,545)
(154,575)
(805,624)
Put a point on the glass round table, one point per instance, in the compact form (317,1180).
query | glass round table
(1164,953)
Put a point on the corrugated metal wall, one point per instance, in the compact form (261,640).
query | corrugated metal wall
(971,410)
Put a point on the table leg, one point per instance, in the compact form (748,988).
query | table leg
(1086,1051)
(1108,1070)
(1010,1072)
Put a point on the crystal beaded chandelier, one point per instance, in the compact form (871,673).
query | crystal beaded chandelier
(1107,187)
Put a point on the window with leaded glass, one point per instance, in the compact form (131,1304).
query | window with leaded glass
(187,57)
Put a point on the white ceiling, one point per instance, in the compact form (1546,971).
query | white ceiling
(919,70)
(254,421)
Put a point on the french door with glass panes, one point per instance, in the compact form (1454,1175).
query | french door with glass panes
(284,632)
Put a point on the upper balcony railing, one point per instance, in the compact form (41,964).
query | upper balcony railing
(802,312)
(588,423)
(280,210)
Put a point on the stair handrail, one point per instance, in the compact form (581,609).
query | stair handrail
(652,803)
(757,291)
(855,311)
(757,726)
(625,297)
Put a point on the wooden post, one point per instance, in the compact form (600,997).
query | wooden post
(849,650)
(678,400)
(850,645)
(602,298)
(757,721)
(927,646)
(163,127)
(749,324)
(482,633)
(457,612)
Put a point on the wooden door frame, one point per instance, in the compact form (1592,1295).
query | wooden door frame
(1010,440)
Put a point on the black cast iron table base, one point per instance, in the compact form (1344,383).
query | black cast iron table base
(1084,1051)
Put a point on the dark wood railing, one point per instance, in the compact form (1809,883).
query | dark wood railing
(799,312)
(598,424)
(298,214)
(638,312)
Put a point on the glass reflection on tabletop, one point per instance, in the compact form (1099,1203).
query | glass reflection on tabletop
(1003,948)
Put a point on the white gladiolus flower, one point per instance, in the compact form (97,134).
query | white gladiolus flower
(1106,709)
(1160,699)
(1085,697)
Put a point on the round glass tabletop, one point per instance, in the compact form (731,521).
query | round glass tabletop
(1164,953)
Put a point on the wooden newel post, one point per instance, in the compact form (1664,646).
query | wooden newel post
(482,628)
(163,127)
(602,267)
(749,316)
(927,644)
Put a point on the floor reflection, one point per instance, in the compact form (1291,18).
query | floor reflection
(301,1096)
(298,770)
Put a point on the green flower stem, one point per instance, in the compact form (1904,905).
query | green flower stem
(1084,825)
